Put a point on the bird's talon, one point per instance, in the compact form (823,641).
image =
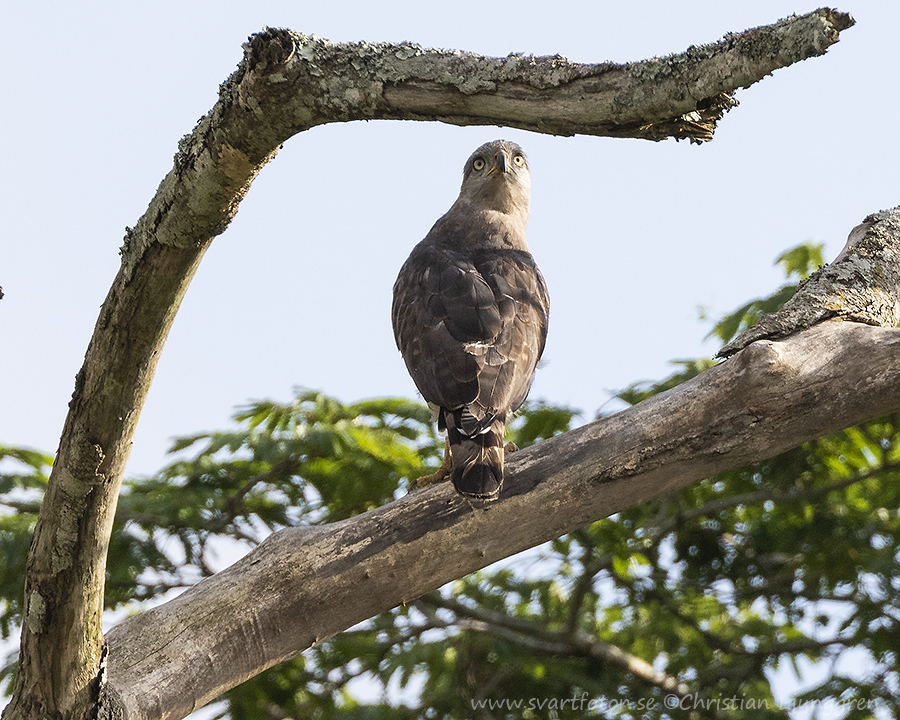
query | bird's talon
(441,474)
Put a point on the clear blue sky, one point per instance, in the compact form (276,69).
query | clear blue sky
(632,236)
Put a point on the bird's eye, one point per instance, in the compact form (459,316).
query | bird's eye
(519,160)
(478,163)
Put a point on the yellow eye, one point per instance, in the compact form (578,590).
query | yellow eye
(519,160)
(478,164)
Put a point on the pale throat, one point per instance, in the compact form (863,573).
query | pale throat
(510,225)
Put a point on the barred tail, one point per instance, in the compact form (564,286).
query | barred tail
(477,459)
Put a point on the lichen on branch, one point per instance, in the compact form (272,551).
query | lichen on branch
(860,285)
(681,96)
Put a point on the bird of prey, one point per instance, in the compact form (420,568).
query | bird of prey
(470,315)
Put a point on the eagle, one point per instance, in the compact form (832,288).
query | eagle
(470,314)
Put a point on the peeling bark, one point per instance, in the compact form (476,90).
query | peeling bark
(285,84)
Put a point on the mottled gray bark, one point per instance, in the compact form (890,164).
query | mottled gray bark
(300,81)
(288,83)
(861,284)
(305,584)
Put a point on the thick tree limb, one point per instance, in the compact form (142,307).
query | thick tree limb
(861,284)
(305,584)
(297,81)
(288,83)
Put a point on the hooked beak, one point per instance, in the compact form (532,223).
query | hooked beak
(501,166)
(502,162)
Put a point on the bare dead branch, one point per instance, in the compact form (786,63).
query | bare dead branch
(300,81)
(288,83)
(304,584)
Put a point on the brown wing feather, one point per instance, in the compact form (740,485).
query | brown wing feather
(471,329)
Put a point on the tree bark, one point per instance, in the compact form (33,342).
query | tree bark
(861,284)
(287,83)
(303,585)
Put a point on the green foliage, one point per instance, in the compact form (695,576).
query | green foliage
(640,391)
(23,478)
(798,262)
(699,596)
(312,460)
(538,421)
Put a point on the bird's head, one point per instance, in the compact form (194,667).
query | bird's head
(496,178)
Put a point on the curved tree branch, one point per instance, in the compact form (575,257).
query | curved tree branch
(305,584)
(285,84)
(296,81)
